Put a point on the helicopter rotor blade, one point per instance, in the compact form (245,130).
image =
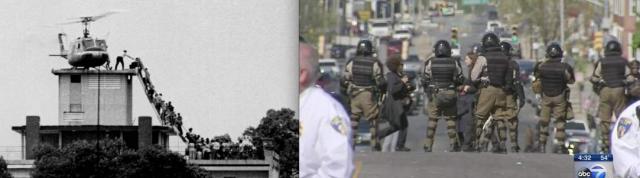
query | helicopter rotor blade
(72,22)
(94,18)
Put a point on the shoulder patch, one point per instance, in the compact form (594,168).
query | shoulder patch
(623,126)
(338,125)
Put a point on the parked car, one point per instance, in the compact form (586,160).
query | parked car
(394,47)
(329,66)
(526,70)
(339,51)
(380,28)
(406,25)
(579,138)
(402,34)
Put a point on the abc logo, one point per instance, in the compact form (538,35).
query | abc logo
(584,173)
(598,171)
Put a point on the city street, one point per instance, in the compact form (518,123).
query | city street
(439,162)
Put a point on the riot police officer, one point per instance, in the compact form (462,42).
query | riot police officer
(364,81)
(441,77)
(609,78)
(554,76)
(515,98)
(491,74)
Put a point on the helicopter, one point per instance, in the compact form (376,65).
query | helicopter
(85,51)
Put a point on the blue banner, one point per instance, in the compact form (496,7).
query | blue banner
(592,157)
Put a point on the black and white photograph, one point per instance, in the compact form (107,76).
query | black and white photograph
(149,89)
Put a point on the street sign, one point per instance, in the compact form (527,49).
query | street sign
(364,15)
(475,2)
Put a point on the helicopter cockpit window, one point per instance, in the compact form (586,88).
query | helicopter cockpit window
(101,43)
(88,43)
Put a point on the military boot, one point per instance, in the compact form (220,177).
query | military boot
(515,149)
(560,149)
(454,147)
(542,148)
(500,148)
(427,149)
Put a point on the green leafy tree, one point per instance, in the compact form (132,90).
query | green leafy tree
(281,130)
(543,16)
(4,172)
(315,19)
(113,159)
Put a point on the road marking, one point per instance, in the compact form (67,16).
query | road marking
(356,172)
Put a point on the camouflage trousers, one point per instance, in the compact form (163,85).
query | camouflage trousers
(509,126)
(439,111)
(363,104)
(612,101)
(512,121)
(491,102)
(556,107)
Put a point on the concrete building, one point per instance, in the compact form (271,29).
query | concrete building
(96,104)
(623,26)
(78,96)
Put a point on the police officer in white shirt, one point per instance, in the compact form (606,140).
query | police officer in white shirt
(625,142)
(325,148)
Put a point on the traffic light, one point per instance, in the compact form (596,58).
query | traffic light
(454,34)
(597,40)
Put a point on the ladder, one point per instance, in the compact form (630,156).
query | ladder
(158,115)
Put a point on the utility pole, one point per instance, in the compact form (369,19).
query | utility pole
(562,23)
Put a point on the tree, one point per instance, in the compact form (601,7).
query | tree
(315,19)
(280,128)
(113,159)
(4,172)
(542,16)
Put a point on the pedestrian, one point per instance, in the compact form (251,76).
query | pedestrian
(442,75)
(190,136)
(147,76)
(467,102)
(325,148)
(554,76)
(633,90)
(364,79)
(491,73)
(150,91)
(179,123)
(160,103)
(625,144)
(119,60)
(609,77)
(393,106)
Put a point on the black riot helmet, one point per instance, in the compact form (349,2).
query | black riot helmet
(364,48)
(506,48)
(490,40)
(554,51)
(442,49)
(613,47)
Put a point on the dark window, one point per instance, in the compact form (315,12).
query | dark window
(75,78)
(75,108)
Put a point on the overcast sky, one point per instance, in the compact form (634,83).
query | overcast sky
(222,63)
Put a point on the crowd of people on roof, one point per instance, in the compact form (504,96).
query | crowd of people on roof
(220,147)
